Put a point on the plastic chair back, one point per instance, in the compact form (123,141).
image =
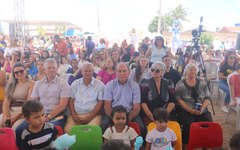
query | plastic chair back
(135,126)
(151,126)
(177,130)
(211,70)
(59,129)
(88,137)
(7,136)
(205,135)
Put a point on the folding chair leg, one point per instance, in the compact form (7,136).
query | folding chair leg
(229,109)
(238,118)
(219,96)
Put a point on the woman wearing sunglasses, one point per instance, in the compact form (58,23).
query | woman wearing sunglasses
(18,90)
(157,92)
(227,67)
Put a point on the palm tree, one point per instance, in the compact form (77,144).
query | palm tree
(167,20)
(179,13)
(165,24)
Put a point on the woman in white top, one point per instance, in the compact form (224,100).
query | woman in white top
(156,51)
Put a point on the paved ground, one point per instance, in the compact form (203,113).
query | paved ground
(229,127)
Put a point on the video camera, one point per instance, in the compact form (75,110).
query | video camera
(196,36)
(195,49)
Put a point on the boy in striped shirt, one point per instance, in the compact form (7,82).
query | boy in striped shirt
(39,134)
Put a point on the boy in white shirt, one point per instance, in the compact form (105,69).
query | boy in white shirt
(161,137)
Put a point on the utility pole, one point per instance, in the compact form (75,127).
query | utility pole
(159,15)
(19,22)
(1,30)
(98,18)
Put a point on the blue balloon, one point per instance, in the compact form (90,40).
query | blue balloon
(64,141)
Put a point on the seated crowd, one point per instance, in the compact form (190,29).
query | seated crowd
(97,87)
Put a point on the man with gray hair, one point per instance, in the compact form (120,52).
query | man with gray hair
(53,93)
(125,92)
(86,99)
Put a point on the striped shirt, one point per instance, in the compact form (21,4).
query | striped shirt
(39,140)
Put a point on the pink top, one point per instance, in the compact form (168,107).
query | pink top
(106,77)
(8,68)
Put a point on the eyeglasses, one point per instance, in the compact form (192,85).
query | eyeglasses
(155,70)
(20,71)
(167,60)
(159,40)
(15,54)
(232,57)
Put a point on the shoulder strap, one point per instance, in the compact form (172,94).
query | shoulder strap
(186,85)
(127,129)
(197,84)
(195,87)
(194,90)
(111,129)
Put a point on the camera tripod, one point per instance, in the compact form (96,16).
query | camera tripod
(198,56)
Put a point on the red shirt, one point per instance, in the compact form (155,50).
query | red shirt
(235,81)
(61,48)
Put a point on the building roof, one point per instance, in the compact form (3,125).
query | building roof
(230,29)
(44,23)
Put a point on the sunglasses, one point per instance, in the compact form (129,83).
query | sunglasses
(155,70)
(20,71)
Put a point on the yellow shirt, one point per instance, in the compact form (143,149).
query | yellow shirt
(1,93)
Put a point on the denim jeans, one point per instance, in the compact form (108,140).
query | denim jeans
(223,85)
(25,124)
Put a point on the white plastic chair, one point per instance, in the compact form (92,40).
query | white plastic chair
(211,70)
(212,76)
(230,108)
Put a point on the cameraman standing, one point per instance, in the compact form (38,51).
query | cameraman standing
(60,46)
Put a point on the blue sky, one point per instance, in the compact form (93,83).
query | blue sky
(118,16)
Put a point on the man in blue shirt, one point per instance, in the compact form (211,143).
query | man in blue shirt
(125,92)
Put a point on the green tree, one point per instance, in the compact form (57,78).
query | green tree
(152,27)
(179,13)
(206,39)
(167,20)
(41,31)
(164,24)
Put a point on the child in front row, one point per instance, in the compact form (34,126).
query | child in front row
(39,134)
(235,141)
(161,137)
(120,130)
